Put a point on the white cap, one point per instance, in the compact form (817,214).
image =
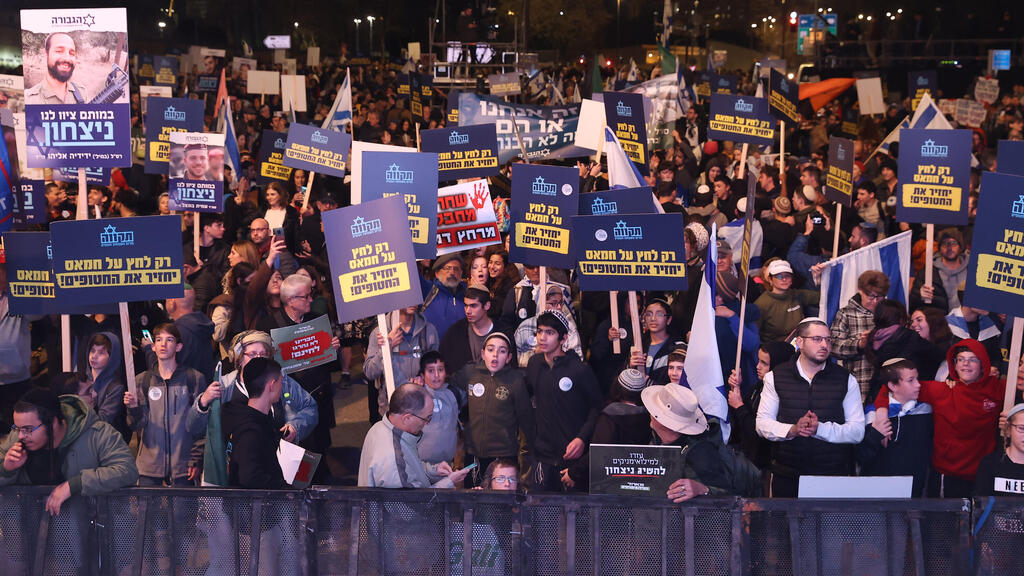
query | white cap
(779,266)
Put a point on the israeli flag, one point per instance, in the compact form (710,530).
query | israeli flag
(839,278)
(231,156)
(341,111)
(926,117)
(703,366)
(622,173)
(634,73)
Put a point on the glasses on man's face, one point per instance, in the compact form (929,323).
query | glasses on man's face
(452,269)
(425,420)
(949,242)
(504,480)
(968,360)
(817,339)
(25,430)
(306,296)
(874,297)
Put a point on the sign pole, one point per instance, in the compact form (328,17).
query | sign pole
(126,345)
(82,211)
(195,236)
(305,195)
(634,314)
(389,376)
(739,336)
(743,166)
(614,302)
(835,238)
(1011,374)
(929,249)
(542,297)
(782,157)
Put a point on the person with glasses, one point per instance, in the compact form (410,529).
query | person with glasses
(950,264)
(966,408)
(443,301)
(1001,473)
(854,322)
(61,441)
(390,456)
(656,343)
(783,307)
(811,411)
(502,474)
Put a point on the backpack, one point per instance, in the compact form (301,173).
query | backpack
(744,475)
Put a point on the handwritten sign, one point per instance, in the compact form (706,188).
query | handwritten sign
(986,90)
(463,152)
(935,168)
(544,199)
(995,273)
(316,150)
(465,218)
(164,117)
(741,119)
(304,345)
(630,252)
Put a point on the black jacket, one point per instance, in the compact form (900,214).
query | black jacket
(567,398)
(251,439)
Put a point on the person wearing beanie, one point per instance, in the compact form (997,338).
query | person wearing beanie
(779,231)
(567,400)
(59,440)
(498,404)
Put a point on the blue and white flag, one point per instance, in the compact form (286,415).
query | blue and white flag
(703,365)
(839,278)
(666,23)
(622,172)
(633,76)
(232,158)
(927,116)
(341,111)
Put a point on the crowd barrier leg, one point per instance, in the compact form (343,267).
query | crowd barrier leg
(254,536)
(42,532)
(353,550)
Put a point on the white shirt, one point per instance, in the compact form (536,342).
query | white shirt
(851,432)
(275,217)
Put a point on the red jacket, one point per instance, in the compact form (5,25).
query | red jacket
(966,416)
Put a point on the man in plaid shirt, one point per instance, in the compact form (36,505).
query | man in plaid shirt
(854,322)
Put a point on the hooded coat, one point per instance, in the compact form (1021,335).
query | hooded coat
(107,389)
(966,416)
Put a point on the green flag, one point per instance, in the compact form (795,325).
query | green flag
(596,85)
(668,61)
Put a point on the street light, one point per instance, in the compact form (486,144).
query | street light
(370,19)
(358,21)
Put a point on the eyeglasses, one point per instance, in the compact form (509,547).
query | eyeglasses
(425,420)
(658,315)
(949,242)
(256,354)
(306,296)
(514,480)
(968,360)
(1018,427)
(817,339)
(452,268)
(874,297)
(25,430)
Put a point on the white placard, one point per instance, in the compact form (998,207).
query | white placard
(313,56)
(986,90)
(293,92)
(289,67)
(860,487)
(590,128)
(869,93)
(263,82)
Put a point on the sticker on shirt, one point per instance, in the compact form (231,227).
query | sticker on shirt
(477,389)
(623,334)
(793,309)
(522,313)
(565,384)
(501,393)
(417,352)
(437,405)
(1008,485)
(155,394)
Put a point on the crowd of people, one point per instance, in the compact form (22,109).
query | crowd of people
(501,386)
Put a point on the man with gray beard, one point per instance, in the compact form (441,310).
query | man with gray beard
(443,298)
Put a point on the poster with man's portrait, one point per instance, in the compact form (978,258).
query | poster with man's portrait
(76,87)
(196,172)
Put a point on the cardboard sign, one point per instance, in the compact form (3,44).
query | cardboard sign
(196,183)
(625,115)
(271,167)
(548,132)
(30,206)
(356,163)
(421,92)
(741,119)
(783,97)
(618,201)
(505,84)
(304,345)
(869,96)
(98,175)
(986,90)
(920,83)
(1010,157)
(935,170)
(293,92)
(969,112)
(463,152)
(9,169)
(839,175)
(118,259)
(312,149)
(89,122)
(465,218)
(263,82)
(849,123)
(630,252)
(544,199)
(995,273)
(373,266)
(634,470)
(413,177)
(312,56)
(166,116)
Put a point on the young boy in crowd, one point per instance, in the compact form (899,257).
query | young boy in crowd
(159,412)
(499,405)
(440,434)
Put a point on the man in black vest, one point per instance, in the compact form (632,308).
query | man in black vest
(811,409)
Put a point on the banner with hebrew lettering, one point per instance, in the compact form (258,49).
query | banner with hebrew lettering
(464,151)
(316,150)
(548,132)
(625,115)
(271,161)
(196,172)
(630,252)
(934,176)
(741,119)
(544,200)
(413,177)
(995,273)
(165,116)
(618,201)
(465,218)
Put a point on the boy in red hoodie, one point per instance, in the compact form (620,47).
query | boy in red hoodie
(966,411)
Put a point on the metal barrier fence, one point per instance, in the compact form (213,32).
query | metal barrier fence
(156,531)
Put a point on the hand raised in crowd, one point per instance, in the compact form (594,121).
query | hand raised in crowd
(59,496)
(816,272)
(684,489)
(637,359)
(15,457)
(574,449)
(305,252)
(595,169)
(613,334)
(212,392)
(277,246)
(927,293)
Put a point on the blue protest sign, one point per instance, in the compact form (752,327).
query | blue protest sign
(165,70)
(839,174)
(315,150)
(98,175)
(463,152)
(404,87)
(118,259)
(618,201)
(625,115)
(741,119)
(413,177)
(995,273)
(271,166)
(421,91)
(207,82)
(30,203)
(630,252)
(76,110)
(783,97)
(544,199)
(373,265)
(935,172)
(1010,157)
(452,109)
(30,283)
(548,132)
(919,83)
(724,83)
(163,117)
(197,183)
(8,169)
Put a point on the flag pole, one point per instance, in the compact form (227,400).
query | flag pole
(744,263)
(782,157)
(835,237)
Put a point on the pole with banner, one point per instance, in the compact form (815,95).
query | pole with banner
(782,157)
(839,182)
(748,223)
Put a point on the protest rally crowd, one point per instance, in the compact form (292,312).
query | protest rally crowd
(507,373)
